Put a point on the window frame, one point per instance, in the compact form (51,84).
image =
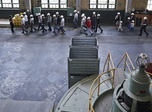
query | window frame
(59,5)
(149,5)
(11,3)
(97,5)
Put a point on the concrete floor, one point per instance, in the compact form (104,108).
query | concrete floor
(33,68)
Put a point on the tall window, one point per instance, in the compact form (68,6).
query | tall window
(9,3)
(105,4)
(149,5)
(54,3)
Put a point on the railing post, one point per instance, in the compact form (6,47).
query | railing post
(99,86)
(125,62)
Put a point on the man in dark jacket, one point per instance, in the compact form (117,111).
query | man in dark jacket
(98,23)
(143,26)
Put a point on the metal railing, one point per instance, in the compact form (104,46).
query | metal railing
(110,69)
(126,58)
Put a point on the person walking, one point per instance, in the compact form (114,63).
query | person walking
(49,20)
(89,23)
(23,25)
(62,24)
(55,24)
(98,23)
(143,26)
(39,21)
(11,23)
(93,20)
(32,23)
(43,24)
(117,19)
(75,19)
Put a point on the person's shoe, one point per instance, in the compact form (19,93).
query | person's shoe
(91,34)
(147,35)
(101,31)
(86,34)
(139,34)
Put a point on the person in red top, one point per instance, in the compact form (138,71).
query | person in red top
(88,24)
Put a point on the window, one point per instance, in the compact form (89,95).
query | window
(54,3)
(104,4)
(149,5)
(9,3)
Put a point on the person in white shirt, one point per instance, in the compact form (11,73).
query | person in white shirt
(39,21)
(62,24)
(32,23)
(83,25)
(120,26)
(26,21)
(49,20)
(23,25)
(75,19)
(132,25)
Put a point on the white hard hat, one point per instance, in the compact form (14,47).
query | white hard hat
(132,14)
(82,15)
(132,21)
(88,17)
(57,13)
(54,15)
(31,15)
(145,17)
(75,10)
(121,22)
(98,14)
(128,17)
(24,12)
(48,14)
(42,15)
(94,13)
(118,12)
(61,16)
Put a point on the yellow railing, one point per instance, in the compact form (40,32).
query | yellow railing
(92,90)
(110,69)
(126,58)
(109,63)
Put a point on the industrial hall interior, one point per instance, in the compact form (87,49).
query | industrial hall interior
(75,55)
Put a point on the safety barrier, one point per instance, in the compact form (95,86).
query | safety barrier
(84,41)
(83,52)
(110,70)
(127,62)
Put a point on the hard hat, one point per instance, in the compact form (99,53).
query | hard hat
(94,13)
(21,16)
(132,14)
(145,17)
(54,15)
(42,14)
(48,14)
(132,21)
(75,10)
(31,15)
(98,14)
(24,12)
(57,13)
(128,17)
(121,22)
(61,16)
(118,12)
(82,15)
(88,17)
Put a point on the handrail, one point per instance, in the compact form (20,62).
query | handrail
(92,90)
(108,61)
(126,58)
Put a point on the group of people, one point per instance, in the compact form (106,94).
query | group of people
(131,23)
(90,24)
(57,20)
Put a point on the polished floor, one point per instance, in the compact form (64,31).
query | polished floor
(33,68)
